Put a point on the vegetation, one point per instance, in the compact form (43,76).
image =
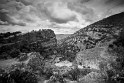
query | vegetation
(68,51)
(116,73)
(17,76)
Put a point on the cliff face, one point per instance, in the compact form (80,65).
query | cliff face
(38,41)
(100,46)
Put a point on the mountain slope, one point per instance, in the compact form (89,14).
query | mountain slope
(103,30)
(100,47)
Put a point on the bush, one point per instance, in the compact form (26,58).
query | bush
(14,53)
(18,76)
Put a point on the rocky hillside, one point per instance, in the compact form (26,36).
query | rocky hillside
(100,47)
(105,30)
(12,44)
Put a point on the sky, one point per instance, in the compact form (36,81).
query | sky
(62,16)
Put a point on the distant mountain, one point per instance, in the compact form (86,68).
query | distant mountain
(61,36)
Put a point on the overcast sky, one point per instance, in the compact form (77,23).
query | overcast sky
(62,16)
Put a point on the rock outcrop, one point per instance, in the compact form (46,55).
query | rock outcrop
(37,41)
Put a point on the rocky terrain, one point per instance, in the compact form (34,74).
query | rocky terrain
(100,48)
(94,54)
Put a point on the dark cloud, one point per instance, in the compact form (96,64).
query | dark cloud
(8,8)
(25,2)
(87,13)
(58,20)
(107,2)
(84,1)
(18,23)
(30,2)
(11,6)
(3,1)
(115,2)
(3,16)
(6,20)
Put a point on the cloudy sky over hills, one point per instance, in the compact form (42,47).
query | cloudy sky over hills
(62,16)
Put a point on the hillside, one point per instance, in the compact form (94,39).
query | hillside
(100,46)
(110,27)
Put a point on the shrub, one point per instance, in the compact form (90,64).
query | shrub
(18,76)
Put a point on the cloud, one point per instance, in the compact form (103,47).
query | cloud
(5,19)
(87,14)
(105,2)
(25,2)
(104,8)
(115,2)
(7,10)
(84,1)
(3,23)
(65,16)
(3,15)
(30,11)
(11,5)
(56,11)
